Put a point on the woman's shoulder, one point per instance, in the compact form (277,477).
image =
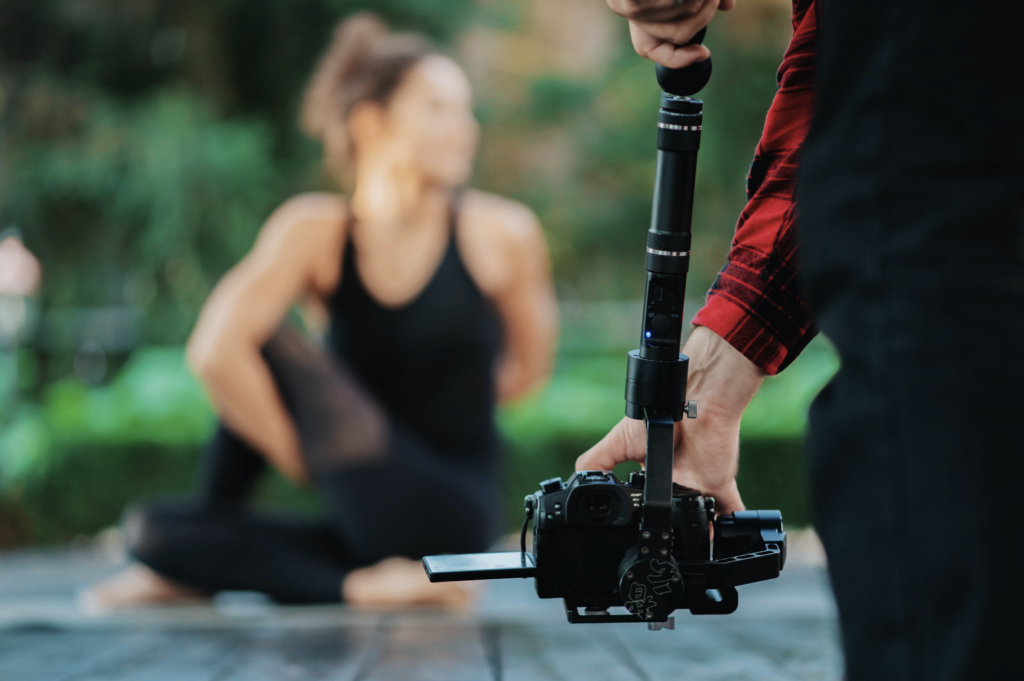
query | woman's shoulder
(315,217)
(497,216)
(308,231)
(319,207)
(497,237)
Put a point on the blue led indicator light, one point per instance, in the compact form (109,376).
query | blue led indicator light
(648,334)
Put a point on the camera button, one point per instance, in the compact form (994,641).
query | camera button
(552,485)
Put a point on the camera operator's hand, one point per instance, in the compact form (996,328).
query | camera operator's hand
(723,382)
(660,29)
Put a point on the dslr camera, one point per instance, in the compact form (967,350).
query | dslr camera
(586,552)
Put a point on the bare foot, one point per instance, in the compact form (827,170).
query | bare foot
(400,581)
(136,585)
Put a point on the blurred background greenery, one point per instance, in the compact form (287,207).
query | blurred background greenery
(142,143)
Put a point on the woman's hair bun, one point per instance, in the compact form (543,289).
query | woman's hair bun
(364,61)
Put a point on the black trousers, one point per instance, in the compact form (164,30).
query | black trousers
(911,204)
(388,493)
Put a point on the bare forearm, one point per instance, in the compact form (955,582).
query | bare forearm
(246,398)
(517,377)
(508,379)
(528,362)
(721,379)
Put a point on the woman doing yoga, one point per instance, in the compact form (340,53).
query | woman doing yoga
(438,304)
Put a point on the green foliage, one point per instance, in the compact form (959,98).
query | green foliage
(500,15)
(86,487)
(154,403)
(154,400)
(779,411)
(164,197)
(441,18)
(72,464)
(773,476)
(25,451)
(552,99)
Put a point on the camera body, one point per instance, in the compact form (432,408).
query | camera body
(585,533)
(583,528)
(590,548)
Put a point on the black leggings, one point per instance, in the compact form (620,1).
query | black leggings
(388,493)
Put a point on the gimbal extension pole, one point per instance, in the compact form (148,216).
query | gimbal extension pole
(656,373)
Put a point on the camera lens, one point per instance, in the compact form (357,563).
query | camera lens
(598,504)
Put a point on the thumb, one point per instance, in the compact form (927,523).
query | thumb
(625,442)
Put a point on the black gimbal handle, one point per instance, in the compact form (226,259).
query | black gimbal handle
(686,81)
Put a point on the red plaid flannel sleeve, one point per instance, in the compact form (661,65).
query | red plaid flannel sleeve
(755,303)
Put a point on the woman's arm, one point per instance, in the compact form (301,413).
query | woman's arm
(298,251)
(506,252)
(529,311)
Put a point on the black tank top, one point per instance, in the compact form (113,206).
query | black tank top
(430,362)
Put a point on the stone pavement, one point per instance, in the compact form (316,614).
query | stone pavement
(784,630)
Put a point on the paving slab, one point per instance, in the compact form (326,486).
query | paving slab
(784,630)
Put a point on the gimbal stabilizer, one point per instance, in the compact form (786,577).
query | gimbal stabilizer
(656,373)
(644,544)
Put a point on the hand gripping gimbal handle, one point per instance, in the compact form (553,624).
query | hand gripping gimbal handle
(686,81)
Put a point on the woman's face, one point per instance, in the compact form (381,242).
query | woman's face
(428,126)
